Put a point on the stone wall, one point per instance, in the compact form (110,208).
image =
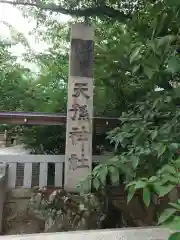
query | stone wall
(17,220)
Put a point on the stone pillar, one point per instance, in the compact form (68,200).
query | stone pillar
(5,138)
(78,158)
(3,190)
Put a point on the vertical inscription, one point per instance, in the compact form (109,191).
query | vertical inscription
(78,158)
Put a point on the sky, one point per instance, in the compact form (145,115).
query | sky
(14,16)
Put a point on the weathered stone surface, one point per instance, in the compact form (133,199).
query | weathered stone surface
(114,234)
(20,193)
(3,189)
(16,219)
(24,224)
(78,160)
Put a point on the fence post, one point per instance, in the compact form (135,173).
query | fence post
(78,158)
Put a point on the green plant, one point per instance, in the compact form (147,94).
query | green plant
(62,211)
(174,236)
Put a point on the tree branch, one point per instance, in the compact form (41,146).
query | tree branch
(99,11)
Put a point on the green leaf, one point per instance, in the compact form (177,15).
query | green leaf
(163,190)
(113,174)
(156,102)
(140,184)
(161,150)
(167,169)
(175,205)
(174,146)
(130,184)
(172,179)
(168,39)
(160,23)
(97,169)
(153,179)
(177,162)
(173,223)
(102,174)
(154,134)
(149,72)
(146,196)
(174,64)
(135,161)
(152,45)
(174,236)
(84,184)
(166,215)
(135,68)
(96,183)
(168,99)
(178,175)
(135,54)
(131,193)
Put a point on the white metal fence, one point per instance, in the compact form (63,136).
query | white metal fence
(34,170)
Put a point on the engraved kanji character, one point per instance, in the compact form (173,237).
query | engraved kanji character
(78,135)
(80,88)
(75,162)
(82,110)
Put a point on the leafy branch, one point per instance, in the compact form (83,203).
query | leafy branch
(99,10)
